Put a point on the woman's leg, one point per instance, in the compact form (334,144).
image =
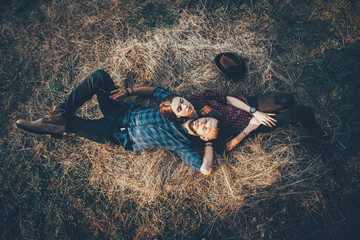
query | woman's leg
(272,102)
(287,112)
(98,82)
(306,116)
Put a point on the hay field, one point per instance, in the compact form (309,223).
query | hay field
(278,185)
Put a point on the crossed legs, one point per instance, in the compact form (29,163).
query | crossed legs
(99,130)
(62,118)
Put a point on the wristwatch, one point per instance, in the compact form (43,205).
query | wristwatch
(252,110)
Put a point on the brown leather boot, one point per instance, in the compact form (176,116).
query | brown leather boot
(52,124)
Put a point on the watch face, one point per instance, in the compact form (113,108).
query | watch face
(252,110)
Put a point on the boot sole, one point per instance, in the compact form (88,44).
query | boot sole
(53,135)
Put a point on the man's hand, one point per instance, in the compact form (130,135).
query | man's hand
(117,94)
(265,118)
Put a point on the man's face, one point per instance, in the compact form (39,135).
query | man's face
(205,128)
(182,108)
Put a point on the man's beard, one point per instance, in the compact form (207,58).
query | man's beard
(192,128)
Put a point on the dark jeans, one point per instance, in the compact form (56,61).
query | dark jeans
(99,130)
(286,110)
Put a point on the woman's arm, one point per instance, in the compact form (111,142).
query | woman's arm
(253,124)
(264,118)
(237,103)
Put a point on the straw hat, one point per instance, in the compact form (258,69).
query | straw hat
(230,64)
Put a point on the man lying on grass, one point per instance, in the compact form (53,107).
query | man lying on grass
(134,127)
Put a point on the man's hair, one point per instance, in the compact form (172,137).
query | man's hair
(165,107)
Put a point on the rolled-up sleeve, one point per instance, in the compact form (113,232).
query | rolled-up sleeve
(191,158)
(159,94)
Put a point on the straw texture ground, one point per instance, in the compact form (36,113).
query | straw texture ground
(111,193)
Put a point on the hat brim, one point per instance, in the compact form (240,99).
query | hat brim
(233,72)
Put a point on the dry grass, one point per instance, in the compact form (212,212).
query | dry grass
(180,59)
(140,195)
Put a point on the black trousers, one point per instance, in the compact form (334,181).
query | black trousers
(287,111)
(99,130)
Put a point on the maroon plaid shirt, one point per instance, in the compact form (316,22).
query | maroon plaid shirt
(235,120)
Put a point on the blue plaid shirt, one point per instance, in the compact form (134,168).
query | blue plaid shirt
(142,128)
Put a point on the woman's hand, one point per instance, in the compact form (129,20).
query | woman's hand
(117,94)
(253,124)
(265,118)
(230,145)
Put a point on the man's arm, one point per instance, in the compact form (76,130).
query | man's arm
(253,124)
(194,160)
(119,93)
(264,118)
(208,159)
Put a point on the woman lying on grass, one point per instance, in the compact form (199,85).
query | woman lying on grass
(240,115)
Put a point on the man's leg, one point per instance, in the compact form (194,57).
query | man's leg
(99,130)
(98,82)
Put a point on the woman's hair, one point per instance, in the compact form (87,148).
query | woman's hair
(165,107)
(202,109)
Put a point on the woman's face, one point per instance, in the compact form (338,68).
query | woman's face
(183,108)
